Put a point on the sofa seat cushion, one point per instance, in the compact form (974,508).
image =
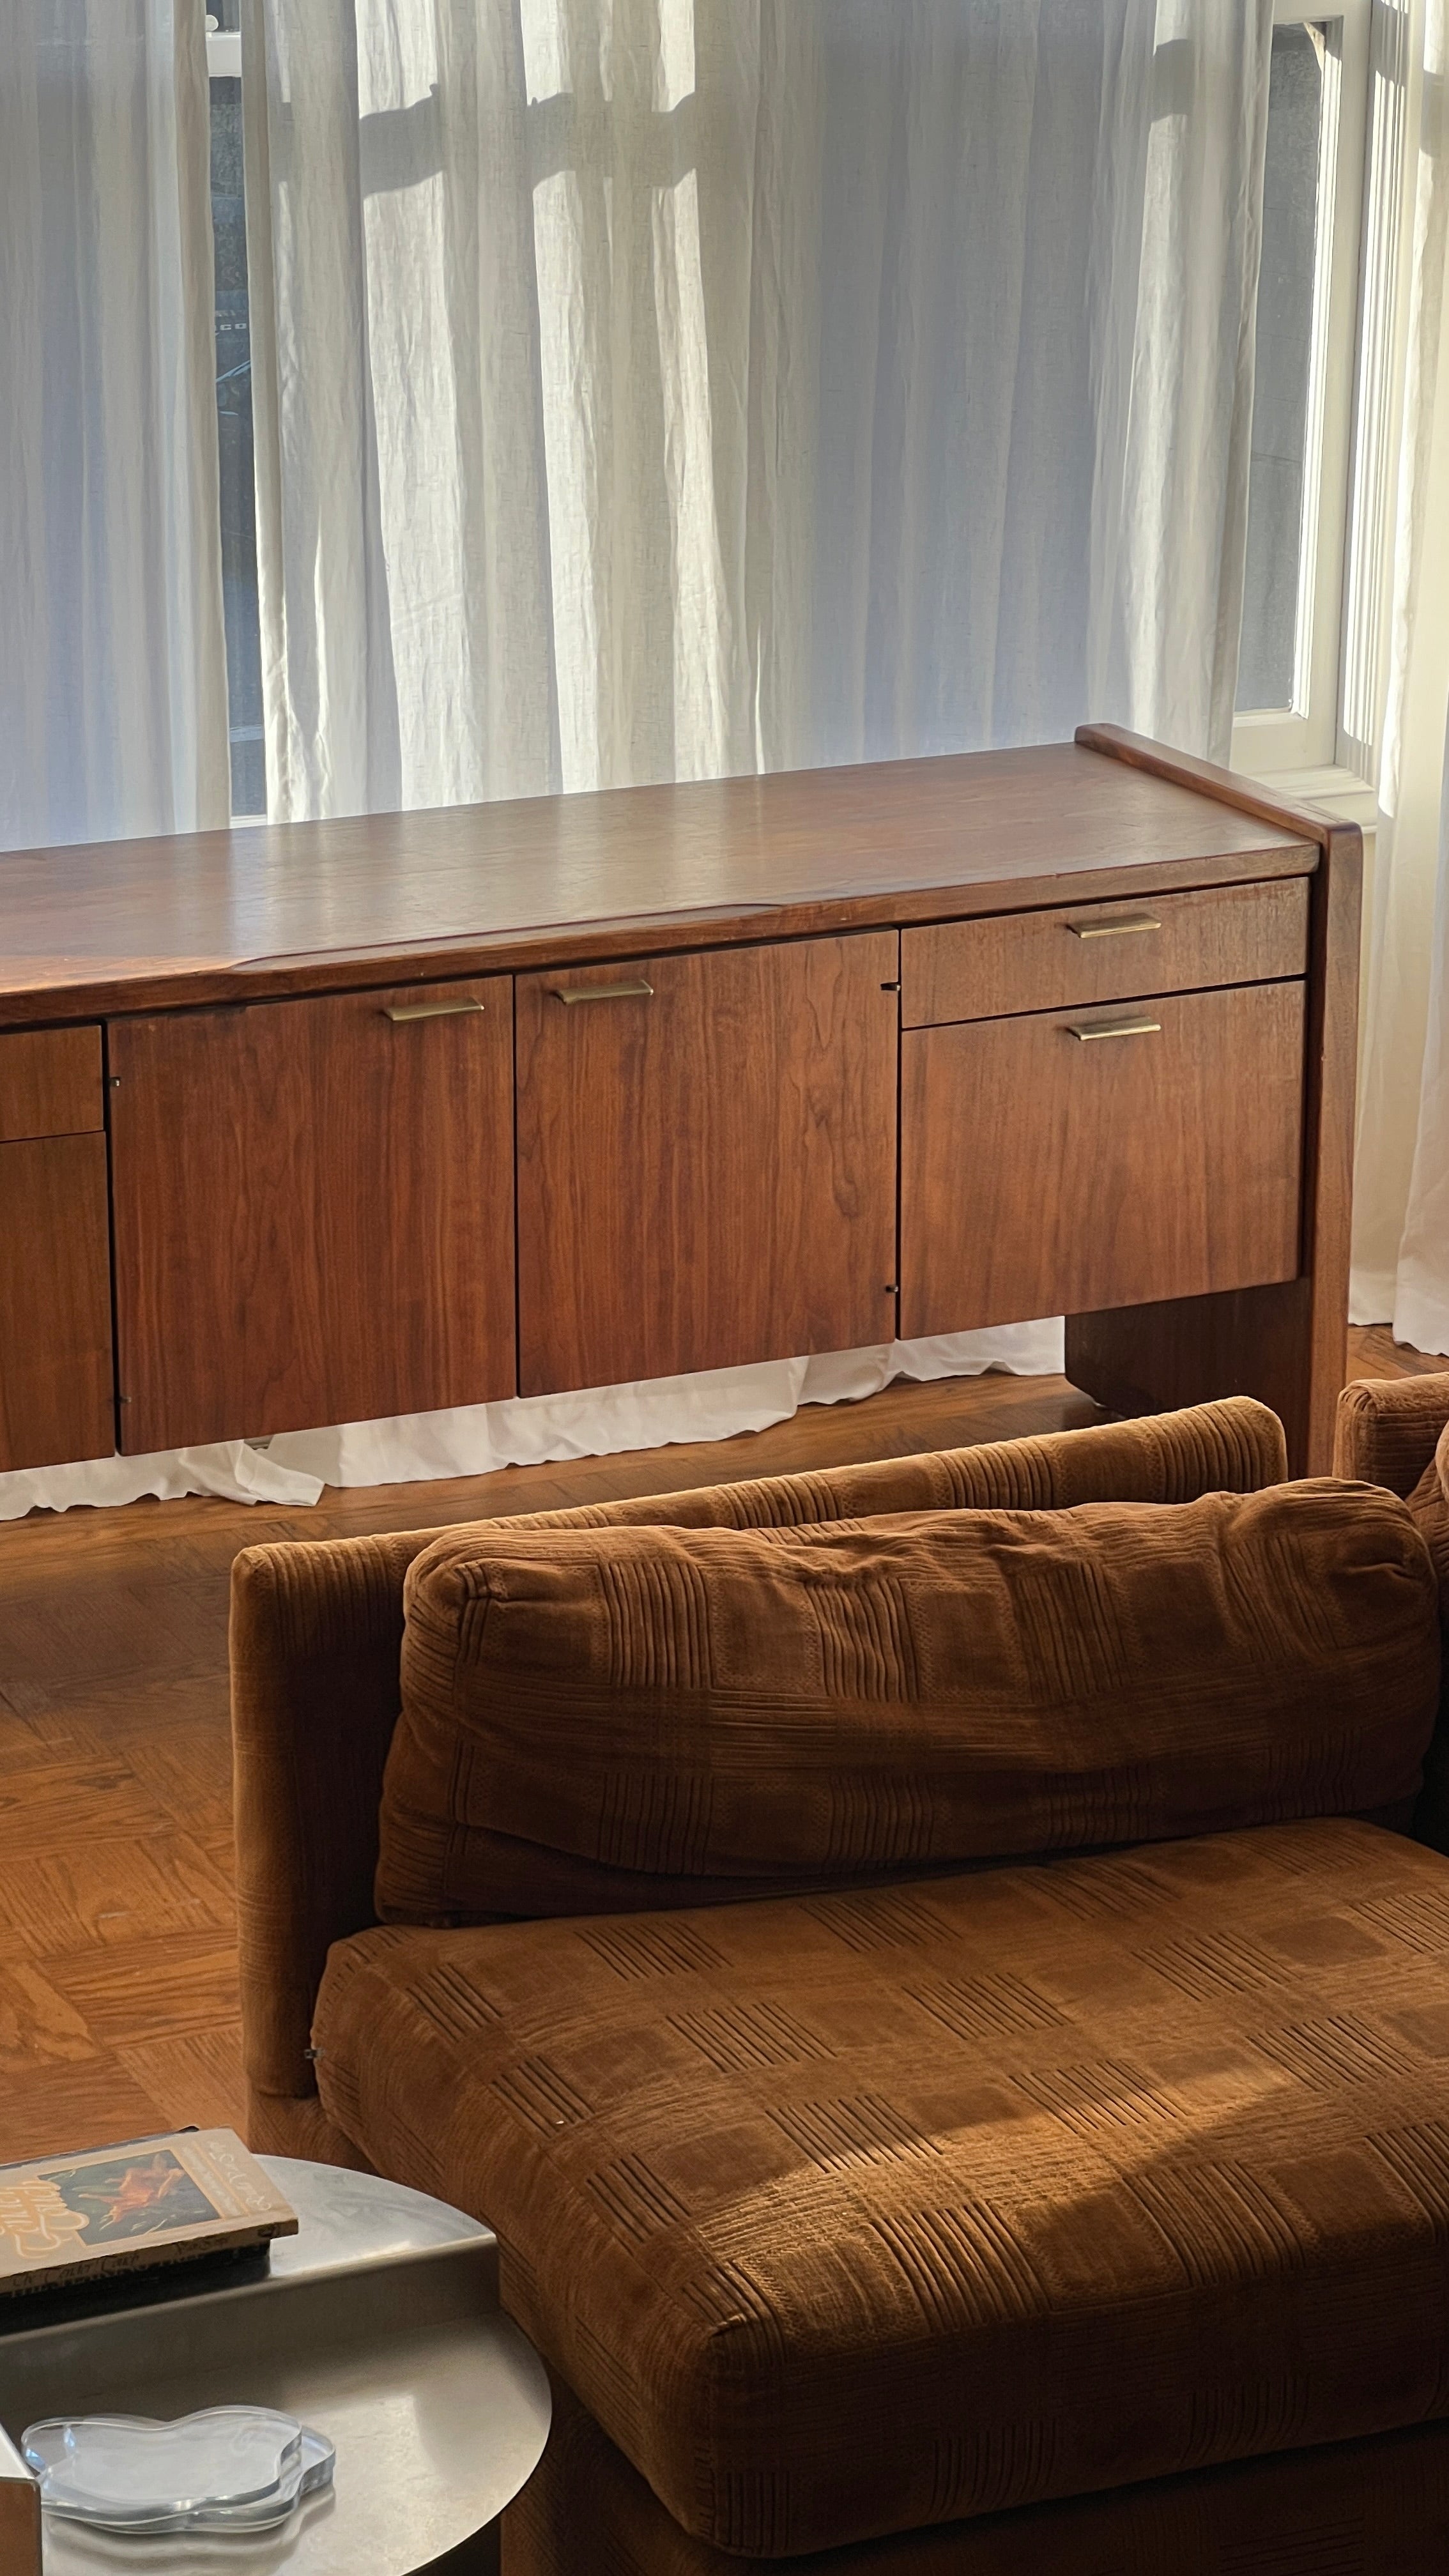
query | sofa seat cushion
(1379,2507)
(641,1717)
(852,2213)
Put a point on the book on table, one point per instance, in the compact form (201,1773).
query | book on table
(124,2208)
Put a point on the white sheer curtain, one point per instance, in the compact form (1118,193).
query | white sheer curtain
(657,388)
(112,662)
(1401,1199)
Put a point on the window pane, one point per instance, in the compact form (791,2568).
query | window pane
(1284,347)
(234,427)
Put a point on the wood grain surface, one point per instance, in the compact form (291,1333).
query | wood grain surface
(55,1302)
(256,1289)
(706,1169)
(1046,961)
(1252,796)
(50,1083)
(307,907)
(1040,1171)
(1284,1343)
(313,1212)
(20,2534)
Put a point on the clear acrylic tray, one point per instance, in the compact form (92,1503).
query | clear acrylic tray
(230,2468)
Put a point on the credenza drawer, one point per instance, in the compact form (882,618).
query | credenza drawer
(1067,1161)
(1102,952)
(50,1083)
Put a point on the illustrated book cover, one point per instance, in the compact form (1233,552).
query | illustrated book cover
(120,2209)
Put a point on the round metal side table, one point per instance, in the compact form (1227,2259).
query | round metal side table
(378,2323)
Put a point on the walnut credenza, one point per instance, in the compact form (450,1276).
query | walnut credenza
(324,1122)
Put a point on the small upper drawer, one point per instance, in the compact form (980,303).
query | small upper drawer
(1103,952)
(50,1083)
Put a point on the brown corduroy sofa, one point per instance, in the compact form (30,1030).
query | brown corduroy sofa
(964,2215)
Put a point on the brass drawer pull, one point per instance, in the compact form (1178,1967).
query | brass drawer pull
(1115,1029)
(1125,929)
(427,1010)
(601,992)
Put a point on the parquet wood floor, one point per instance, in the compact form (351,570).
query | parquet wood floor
(118,2006)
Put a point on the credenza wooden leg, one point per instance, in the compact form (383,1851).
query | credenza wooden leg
(1286,1344)
(1250,1341)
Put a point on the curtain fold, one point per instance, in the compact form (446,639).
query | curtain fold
(112,660)
(663,388)
(1401,1194)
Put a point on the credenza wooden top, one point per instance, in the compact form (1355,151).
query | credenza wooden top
(309,907)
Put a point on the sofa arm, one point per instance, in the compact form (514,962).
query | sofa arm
(1388,1429)
(316,1633)
(316,1637)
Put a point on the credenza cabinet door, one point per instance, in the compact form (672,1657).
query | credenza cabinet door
(313,1211)
(1071,1160)
(706,1160)
(56,1394)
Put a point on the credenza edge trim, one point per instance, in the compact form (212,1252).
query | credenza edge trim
(164,988)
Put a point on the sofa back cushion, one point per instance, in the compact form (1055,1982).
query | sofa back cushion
(617,1718)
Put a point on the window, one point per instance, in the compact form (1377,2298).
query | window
(234,416)
(1312,607)
(1295,636)
(1276,614)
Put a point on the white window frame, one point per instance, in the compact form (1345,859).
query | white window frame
(1302,750)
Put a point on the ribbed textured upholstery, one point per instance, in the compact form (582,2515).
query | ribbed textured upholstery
(1388,1429)
(317,1630)
(857,2214)
(1374,2508)
(610,1719)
